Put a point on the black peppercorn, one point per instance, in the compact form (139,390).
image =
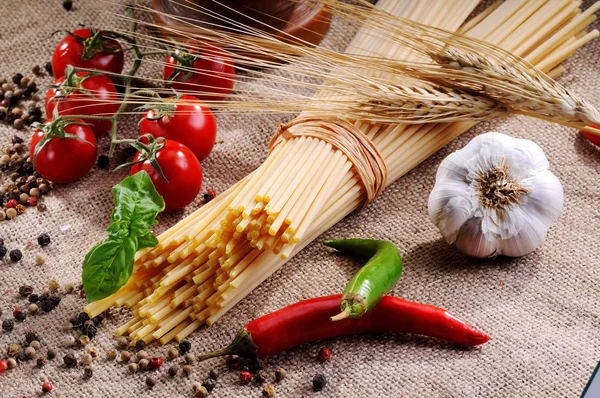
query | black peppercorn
(48,68)
(98,319)
(139,345)
(17,78)
(3,113)
(15,139)
(209,384)
(103,161)
(319,382)
(88,373)
(255,364)
(185,346)
(33,298)
(55,300)
(31,336)
(68,4)
(12,100)
(51,353)
(90,330)
(25,290)
(21,356)
(82,318)
(150,382)
(173,371)
(15,255)
(47,305)
(70,360)
(3,251)
(44,240)
(8,325)
(44,296)
(20,315)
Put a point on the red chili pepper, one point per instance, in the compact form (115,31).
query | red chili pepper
(309,321)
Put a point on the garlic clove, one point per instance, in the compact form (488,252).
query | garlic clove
(473,242)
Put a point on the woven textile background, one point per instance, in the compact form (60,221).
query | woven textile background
(541,310)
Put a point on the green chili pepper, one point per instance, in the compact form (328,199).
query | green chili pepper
(376,278)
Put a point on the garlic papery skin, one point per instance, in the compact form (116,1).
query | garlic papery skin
(496,196)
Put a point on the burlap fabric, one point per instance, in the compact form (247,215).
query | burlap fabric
(541,310)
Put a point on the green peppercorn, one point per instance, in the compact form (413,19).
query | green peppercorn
(13,350)
(69,288)
(41,362)
(88,373)
(53,286)
(269,391)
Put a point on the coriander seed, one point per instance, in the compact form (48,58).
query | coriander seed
(30,352)
(35,344)
(133,367)
(33,308)
(172,353)
(125,356)
(142,355)
(69,341)
(189,358)
(122,343)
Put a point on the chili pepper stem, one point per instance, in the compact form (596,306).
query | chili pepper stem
(242,345)
(342,315)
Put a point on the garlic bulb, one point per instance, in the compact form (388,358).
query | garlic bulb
(496,196)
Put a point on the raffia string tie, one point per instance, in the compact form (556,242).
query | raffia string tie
(346,137)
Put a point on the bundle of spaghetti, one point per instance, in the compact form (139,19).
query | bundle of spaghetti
(209,261)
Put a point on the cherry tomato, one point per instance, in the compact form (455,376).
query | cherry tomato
(184,120)
(182,171)
(88,48)
(64,160)
(593,138)
(213,72)
(85,94)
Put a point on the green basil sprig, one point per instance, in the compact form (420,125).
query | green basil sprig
(109,265)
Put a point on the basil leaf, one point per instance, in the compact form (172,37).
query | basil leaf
(137,202)
(148,240)
(108,267)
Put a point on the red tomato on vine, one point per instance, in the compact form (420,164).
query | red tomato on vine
(83,93)
(88,48)
(63,150)
(200,69)
(173,168)
(182,119)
